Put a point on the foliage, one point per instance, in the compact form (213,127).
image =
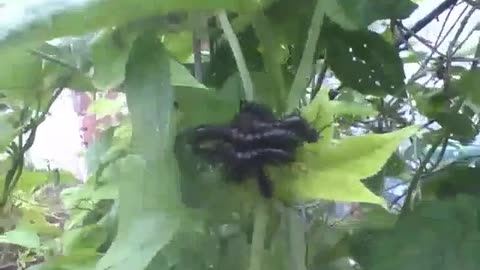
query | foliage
(150,203)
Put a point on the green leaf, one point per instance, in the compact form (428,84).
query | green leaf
(363,60)
(203,106)
(109,57)
(274,56)
(21,237)
(30,180)
(456,178)
(102,107)
(469,85)
(33,218)
(445,234)
(82,259)
(180,76)
(337,13)
(334,171)
(353,108)
(149,202)
(365,12)
(7,133)
(179,44)
(20,71)
(459,125)
(142,232)
(87,237)
(54,18)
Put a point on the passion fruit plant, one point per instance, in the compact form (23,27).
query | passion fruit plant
(150,203)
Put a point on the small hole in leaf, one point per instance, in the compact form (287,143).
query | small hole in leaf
(364,45)
(354,59)
(363,61)
(350,49)
(392,87)
(377,83)
(369,76)
(360,80)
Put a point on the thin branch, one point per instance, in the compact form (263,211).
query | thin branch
(451,46)
(441,155)
(320,78)
(419,25)
(237,54)
(259,232)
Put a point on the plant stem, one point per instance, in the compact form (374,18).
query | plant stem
(237,54)
(304,69)
(258,238)
(296,240)
(418,175)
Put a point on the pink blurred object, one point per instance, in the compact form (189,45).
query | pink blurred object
(89,130)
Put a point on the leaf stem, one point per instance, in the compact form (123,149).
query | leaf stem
(304,69)
(237,54)
(258,238)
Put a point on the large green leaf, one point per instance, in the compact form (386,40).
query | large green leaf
(142,231)
(21,237)
(20,71)
(440,235)
(148,181)
(363,60)
(333,170)
(53,18)
(365,12)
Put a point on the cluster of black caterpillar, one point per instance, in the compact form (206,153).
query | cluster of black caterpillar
(253,139)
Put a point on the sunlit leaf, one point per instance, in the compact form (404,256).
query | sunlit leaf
(353,108)
(32,179)
(333,171)
(33,218)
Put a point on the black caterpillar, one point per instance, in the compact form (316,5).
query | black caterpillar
(253,139)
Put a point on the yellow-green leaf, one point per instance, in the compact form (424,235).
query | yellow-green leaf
(334,171)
